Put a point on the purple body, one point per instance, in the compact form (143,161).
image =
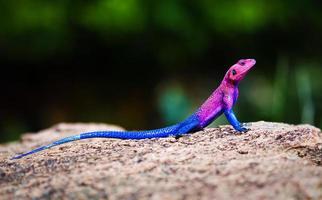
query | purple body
(226,95)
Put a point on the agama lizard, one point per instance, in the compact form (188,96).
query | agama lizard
(221,101)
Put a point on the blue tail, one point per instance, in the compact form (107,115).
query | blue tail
(190,124)
(58,142)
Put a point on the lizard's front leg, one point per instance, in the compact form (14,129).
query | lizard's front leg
(232,119)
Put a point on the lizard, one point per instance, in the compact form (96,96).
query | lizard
(221,101)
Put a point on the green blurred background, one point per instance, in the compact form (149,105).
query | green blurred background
(145,64)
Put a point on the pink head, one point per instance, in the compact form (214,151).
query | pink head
(239,70)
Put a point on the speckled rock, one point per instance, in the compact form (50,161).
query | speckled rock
(272,161)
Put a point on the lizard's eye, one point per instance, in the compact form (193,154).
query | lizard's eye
(234,72)
(242,63)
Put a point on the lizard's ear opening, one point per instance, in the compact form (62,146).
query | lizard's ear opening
(232,75)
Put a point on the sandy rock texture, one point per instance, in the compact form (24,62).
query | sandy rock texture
(272,161)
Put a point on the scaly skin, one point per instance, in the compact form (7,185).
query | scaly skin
(221,101)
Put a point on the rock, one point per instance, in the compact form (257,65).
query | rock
(271,161)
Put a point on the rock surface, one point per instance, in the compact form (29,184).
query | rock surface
(272,161)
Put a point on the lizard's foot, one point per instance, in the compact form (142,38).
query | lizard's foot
(243,127)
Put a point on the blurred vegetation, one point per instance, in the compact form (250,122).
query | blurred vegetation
(145,64)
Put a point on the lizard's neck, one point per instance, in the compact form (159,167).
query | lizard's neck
(229,84)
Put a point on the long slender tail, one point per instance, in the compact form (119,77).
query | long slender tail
(58,142)
(178,129)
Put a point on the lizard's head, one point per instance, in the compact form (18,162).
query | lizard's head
(239,70)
